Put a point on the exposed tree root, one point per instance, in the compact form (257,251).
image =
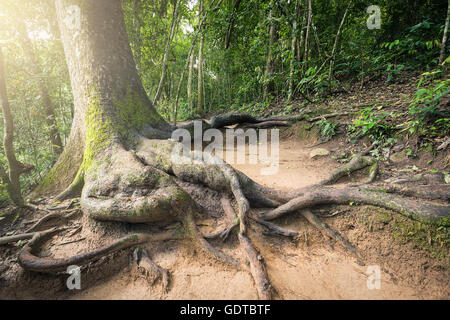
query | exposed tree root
(30,235)
(318,195)
(358,162)
(16,237)
(152,271)
(231,118)
(266,124)
(274,229)
(434,192)
(29,261)
(229,212)
(52,215)
(200,240)
(324,228)
(257,268)
(329,115)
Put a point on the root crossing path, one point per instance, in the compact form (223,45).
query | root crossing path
(312,266)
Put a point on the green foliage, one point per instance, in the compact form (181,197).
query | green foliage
(368,122)
(327,128)
(428,116)
(234,77)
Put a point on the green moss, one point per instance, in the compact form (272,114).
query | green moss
(133,112)
(105,125)
(425,235)
(99,132)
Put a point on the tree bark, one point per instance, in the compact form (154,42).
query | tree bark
(137,28)
(200,101)
(12,180)
(231,24)
(293,44)
(308,28)
(336,41)
(268,81)
(444,37)
(190,78)
(111,105)
(166,53)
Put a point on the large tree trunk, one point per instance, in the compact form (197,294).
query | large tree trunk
(111,105)
(137,28)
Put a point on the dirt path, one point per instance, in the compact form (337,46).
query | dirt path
(304,269)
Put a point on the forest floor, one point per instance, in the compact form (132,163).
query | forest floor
(413,264)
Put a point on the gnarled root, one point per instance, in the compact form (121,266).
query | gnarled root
(29,261)
(151,270)
(324,228)
(358,162)
(319,195)
(223,233)
(195,234)
(257,268)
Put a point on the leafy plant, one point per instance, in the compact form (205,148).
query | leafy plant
(327,129)
(427,116)
(372,124)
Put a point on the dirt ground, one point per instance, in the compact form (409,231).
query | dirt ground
(310,267)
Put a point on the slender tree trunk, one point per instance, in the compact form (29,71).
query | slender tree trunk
(47,104)
(189,63)
(190,78)
(302,39)
(166,54)
(231,24)
(335,45)
(308,32)
(292,62)
(444,37)
(11,181)
(200,101)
